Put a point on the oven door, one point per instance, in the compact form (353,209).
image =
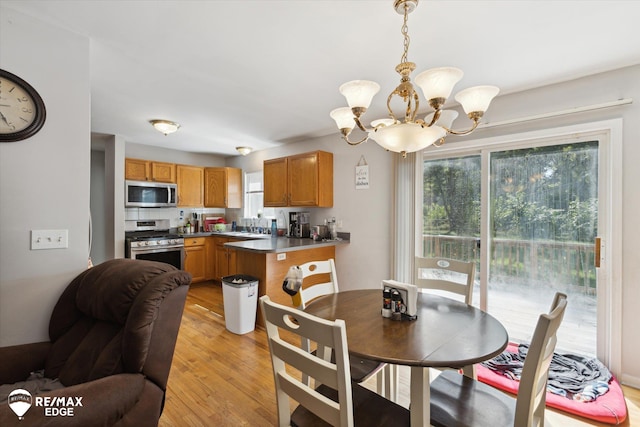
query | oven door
(173,255)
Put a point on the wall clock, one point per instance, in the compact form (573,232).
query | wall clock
(22,111)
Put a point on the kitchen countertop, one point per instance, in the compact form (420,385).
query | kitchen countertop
(282,244)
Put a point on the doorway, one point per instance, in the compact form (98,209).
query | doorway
(528,212)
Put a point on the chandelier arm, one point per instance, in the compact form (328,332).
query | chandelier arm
(439,143)
(346,138)
(360,125)
(416,98)
(463,132)
(436,116)
(393,116)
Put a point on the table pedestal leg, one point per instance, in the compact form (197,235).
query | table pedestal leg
(420,397)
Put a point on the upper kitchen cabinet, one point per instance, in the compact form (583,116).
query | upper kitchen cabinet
(223,187)
(304,180)
(145,170)
(190,186)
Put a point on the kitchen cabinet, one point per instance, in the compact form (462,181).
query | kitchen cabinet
(304,180)
(225,258)
(210,258)
(195,258)
(190,186)
(223,188)
(145,170)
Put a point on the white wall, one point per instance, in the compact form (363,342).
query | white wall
(44,180)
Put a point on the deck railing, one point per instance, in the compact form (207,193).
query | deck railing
(526,262)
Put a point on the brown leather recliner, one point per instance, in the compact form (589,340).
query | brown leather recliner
(112,337)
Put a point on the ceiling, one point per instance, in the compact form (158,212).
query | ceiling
(262,73)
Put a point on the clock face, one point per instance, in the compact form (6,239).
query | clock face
(22,111)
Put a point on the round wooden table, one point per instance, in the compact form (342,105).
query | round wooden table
(447,333)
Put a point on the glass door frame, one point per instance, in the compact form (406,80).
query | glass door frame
(609,135)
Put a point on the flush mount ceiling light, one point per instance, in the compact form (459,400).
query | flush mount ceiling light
(411,134)
(244,150)
(165,126)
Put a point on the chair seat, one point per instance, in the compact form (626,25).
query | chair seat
(361,369)
(369,409)
(457,400)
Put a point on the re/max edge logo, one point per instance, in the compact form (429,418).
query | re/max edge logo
(20,401)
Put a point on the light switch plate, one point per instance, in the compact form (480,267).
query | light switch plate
(281,256)
(49,239)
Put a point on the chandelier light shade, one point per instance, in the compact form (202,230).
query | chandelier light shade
(244,150)
(165,126)
(406,134)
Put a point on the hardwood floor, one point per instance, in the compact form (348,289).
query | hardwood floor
(222,379)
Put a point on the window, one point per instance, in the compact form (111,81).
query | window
(254,197)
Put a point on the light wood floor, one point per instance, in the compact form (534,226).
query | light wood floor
(222,379)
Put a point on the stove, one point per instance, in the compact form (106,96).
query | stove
(152,240)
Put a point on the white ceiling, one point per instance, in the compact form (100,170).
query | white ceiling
(262,73)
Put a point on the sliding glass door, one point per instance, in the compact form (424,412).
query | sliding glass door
(540,206)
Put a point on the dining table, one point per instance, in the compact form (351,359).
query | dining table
(446,334)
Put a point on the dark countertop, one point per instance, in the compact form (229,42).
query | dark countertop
(282,244)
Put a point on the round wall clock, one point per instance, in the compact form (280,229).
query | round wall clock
(22,111)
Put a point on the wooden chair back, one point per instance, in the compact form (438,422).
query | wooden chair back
(443,273)
(530,402)
(286,356)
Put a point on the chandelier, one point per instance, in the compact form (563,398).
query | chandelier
(411,134)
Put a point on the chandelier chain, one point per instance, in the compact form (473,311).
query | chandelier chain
(405,33)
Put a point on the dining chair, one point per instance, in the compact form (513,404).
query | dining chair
(361,369)
(447,275)
(461,401)
(336,401)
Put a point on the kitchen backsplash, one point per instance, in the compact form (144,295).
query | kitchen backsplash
(172,214)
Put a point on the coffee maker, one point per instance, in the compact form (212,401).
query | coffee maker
(299,224)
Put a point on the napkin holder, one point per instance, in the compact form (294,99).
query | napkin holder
(409,294)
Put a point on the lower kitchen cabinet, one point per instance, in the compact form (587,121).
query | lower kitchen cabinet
(195,258)
(225,258)
(210,258)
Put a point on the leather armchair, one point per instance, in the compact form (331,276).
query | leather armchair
(112,337)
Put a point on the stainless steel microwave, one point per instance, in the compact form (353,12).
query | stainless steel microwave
(145,194)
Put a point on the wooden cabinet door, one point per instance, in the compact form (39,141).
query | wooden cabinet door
(303,180)
(190,185)
(215,187)
(231,258)
(194,261)
(222,260)
(235,195)
(223,188)
(210,258)
(275,182)
(136,169)
(163,172)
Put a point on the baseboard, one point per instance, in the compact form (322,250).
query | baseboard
(630,380)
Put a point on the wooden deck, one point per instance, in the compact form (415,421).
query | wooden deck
(519,315)
(222,379)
